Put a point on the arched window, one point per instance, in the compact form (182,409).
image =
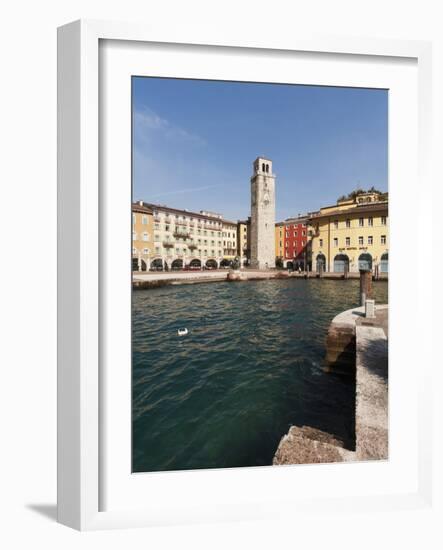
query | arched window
(263,167)
(321,262)
(267,168)
(365,262)
(341,263)
(384,263)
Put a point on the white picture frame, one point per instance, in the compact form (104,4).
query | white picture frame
(81,397)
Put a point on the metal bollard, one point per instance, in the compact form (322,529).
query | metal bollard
(370,309)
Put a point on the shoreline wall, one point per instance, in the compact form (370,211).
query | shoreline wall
(350,335)
(155,280)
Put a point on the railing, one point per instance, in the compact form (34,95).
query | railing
(182,234)
(157,219)
(168,244)
(177,222)
(192,246)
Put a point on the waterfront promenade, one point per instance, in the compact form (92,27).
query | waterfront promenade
(146,279)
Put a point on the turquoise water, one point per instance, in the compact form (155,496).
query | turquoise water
(249,368)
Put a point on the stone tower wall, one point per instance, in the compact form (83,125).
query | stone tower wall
(262,216)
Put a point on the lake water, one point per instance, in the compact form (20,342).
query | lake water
(250,367)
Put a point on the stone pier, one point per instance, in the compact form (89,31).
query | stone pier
(355,345)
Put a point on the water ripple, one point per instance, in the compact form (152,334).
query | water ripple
(250,366)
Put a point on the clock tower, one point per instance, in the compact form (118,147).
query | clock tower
(262,215)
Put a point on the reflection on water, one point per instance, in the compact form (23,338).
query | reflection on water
(250,366)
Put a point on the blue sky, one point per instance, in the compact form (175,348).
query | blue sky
(195,142)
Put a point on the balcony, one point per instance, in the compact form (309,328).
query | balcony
(192,246)
(168,244)
(178,222)
(157,219)
(180,233)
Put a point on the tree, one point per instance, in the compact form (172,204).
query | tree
(356,192)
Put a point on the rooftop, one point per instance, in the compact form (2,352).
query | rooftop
(356,209)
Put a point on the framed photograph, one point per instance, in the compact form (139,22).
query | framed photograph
(233,289)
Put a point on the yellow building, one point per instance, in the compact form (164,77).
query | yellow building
(229,236)
(142,237)
(279,241)
(244,241)
(352,235)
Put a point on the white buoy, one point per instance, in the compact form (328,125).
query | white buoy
(182,331)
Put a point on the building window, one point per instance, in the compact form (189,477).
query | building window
(321,242)
(348,223)
(383,239)
(145,237)
(287,234)
(335,242)
(361,222)
(348,241)
(370,222)
(146,251)
(304,233)
(286,244)
(370,239)
(360,241)
(134,251)
(336,224)
(383,220)
(134,236)
(145,220)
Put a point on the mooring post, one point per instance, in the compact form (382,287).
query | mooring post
(365,285)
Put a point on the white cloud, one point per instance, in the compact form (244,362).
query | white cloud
(188,190)
(147,122)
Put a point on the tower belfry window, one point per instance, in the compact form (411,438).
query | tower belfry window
(267,168)
(263,167)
